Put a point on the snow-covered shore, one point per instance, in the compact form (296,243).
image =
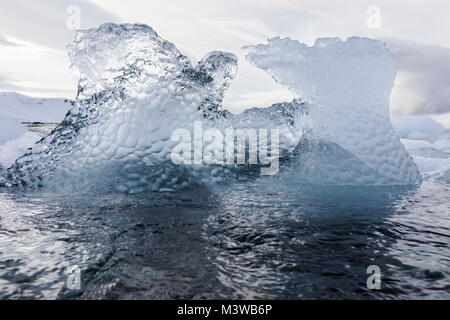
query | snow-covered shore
(16,108)
(27,109)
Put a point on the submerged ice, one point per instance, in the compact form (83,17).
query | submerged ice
(136,89)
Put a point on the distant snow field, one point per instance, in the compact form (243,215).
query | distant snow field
(16,109)
(428,142)
(27,109)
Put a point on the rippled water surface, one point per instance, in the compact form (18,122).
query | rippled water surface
(251,240)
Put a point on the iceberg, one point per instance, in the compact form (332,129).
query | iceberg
(347,85)
(136,89)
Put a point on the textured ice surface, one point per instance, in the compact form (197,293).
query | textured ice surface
(346,85)
(136,89)
(290,118)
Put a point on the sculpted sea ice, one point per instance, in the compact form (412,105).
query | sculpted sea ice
(136,89)
(347,85)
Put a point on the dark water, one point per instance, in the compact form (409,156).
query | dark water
(251,240)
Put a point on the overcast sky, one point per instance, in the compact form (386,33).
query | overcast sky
(34,35)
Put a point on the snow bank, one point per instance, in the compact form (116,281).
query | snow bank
(14,148)
(16,108)
(26,109)
(10,129)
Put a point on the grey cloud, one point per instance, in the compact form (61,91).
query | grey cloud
(425,74)
(7,85)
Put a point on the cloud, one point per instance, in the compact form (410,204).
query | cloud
(33,55)
(7,85)
(5,41)
(423,81)
(45,21)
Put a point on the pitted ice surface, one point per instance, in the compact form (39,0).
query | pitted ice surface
(347,85)
(136,89)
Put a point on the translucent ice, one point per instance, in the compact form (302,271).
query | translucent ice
(346,85)
(136,89)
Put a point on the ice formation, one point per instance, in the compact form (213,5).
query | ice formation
(136,89)
(347,86)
